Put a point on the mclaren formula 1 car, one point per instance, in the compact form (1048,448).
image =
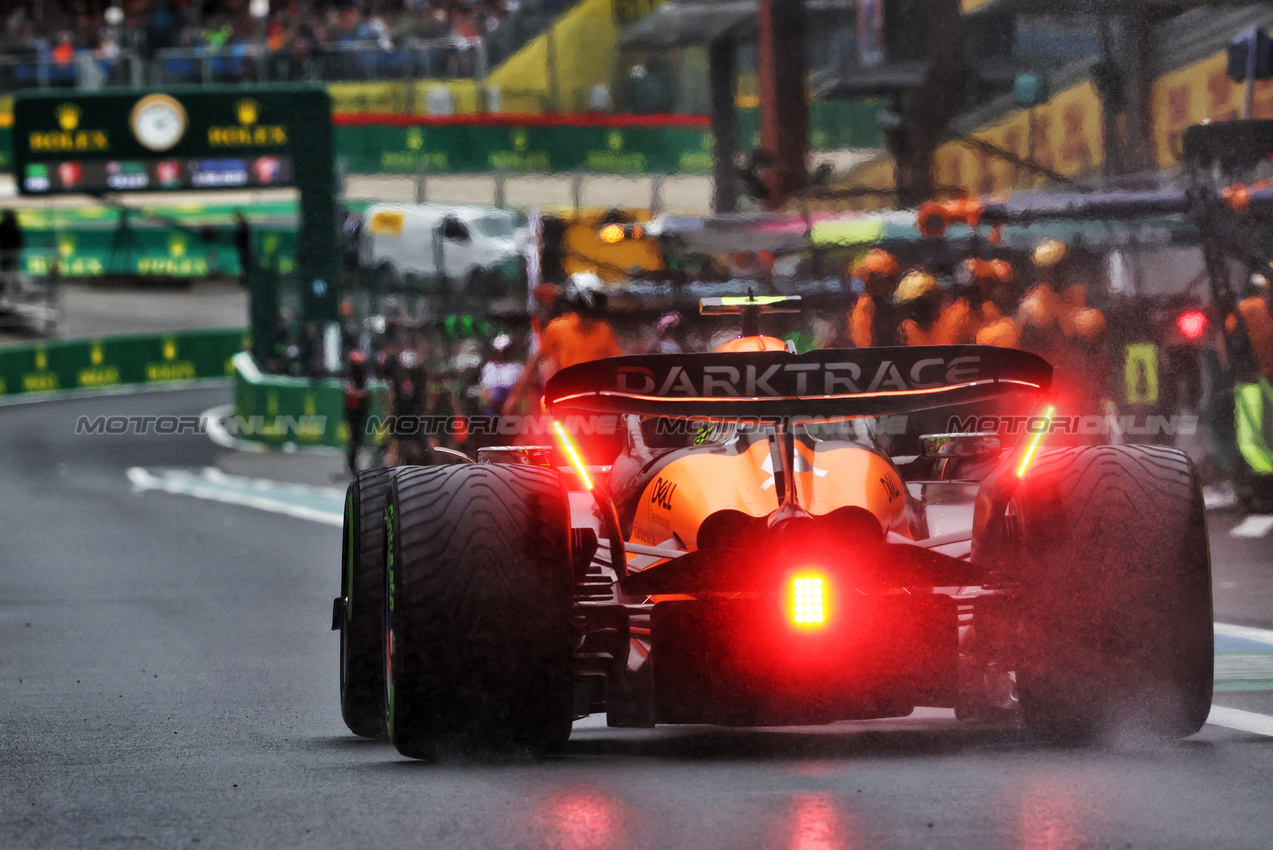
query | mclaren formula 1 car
(766,547)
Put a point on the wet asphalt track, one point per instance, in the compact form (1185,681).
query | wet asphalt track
(168,680)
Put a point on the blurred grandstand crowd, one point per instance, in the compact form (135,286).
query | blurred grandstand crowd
(379,37)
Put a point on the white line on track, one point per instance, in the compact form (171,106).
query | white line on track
(214,427)
(1242,721)
(1256,525)
(211,484)
(1245,633)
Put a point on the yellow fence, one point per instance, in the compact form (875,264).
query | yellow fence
(1065,134)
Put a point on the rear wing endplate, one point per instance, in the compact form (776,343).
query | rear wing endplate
(776,385)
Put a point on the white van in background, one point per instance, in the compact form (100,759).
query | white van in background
(477,249)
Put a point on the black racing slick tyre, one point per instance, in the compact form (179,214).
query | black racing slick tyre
(362,589)
(480,639)
(1117,612)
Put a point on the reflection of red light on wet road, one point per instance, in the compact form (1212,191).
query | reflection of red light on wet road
(816,823)
(1052,817)
(583,820)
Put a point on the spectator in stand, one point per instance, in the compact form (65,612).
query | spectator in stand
(163,27)
(295,32)
(64,54)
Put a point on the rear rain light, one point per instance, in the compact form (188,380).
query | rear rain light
(1034,443)
(808,606)
(571,452)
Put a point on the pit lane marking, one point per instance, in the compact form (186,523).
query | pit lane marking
(214,426)
(317,504)
(1241,721)
(1243,658)
(1255,525)
(1228,630)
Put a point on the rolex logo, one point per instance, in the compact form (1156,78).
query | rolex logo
(248,110)
(68,116)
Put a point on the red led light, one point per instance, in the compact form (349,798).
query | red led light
(808,606)
(1193,324)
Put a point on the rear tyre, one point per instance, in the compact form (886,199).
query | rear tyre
(362,587)
(480,639)
(1117,610)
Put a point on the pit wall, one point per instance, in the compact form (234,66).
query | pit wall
(268,409)
(50,368)
(275,410)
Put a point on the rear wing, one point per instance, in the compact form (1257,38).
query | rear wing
(776,385)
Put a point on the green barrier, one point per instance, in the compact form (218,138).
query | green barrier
(86,364)
(464,148)
(833,125)
(84,252)
(477,149)
(275,410)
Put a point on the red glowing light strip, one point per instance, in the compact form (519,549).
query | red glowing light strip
(1038,435)
(838,396)
(574,455)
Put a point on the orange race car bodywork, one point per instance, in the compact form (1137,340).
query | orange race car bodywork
(696,485)
(775,562)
